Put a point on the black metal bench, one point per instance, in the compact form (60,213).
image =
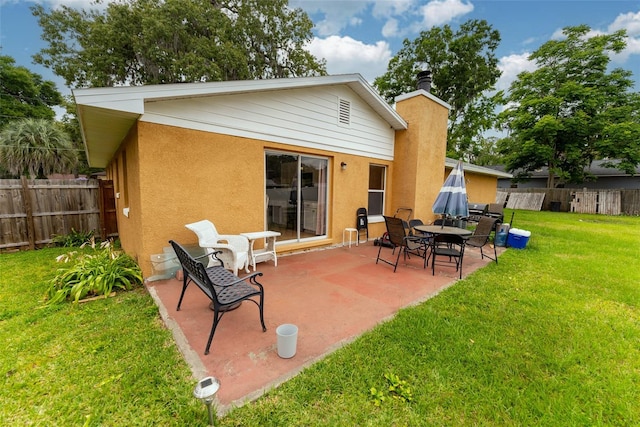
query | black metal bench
(223,288)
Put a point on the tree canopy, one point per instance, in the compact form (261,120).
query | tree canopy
(25,94)
(572,110)
(463,66)
(137,42)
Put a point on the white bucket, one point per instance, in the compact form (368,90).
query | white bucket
(287,335)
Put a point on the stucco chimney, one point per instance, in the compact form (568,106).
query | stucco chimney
(424,80)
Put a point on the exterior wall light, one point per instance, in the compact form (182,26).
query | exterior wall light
(343,166)
(205,391)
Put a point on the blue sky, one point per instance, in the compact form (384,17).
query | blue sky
(358,36)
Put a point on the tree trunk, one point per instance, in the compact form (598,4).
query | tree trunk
(551,180)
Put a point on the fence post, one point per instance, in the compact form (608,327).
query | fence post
(26,199)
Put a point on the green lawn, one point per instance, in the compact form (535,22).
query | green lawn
(550,336)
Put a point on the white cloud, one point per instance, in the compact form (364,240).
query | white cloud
(399,17)
(628,21)
(511,66)
(355,21)
(391,8)
(390,29)
(337,15)
(440,12)
(633,48)
(345,55)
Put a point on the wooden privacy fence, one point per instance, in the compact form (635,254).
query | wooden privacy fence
(608,202)
(604,202)
(33,211)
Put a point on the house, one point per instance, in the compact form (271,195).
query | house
(605,178)
(297,155)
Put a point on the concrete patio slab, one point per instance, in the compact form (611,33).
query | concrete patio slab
(332,295)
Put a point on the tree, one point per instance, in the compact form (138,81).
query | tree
(485,152)
(25,94)
(70,124)
(173,41)
(571,110)
(464,67)
(37,148)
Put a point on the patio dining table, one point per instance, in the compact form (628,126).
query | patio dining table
(438,229)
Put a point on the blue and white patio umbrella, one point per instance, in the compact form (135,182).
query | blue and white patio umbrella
(452,199)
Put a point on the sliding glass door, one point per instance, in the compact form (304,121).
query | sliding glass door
(296,195)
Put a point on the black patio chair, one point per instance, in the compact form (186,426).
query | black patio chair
(407,245)
(412,224)
(450,246)
(447,222)
(481,235)
(496,210)
(362,222)
(223,288)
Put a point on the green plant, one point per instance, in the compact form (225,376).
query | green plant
(73,239)
(93,274)
(378,396)
(396,388)
(108,363)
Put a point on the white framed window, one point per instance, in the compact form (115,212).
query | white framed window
(377,188)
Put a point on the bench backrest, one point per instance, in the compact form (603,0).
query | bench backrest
(194,270)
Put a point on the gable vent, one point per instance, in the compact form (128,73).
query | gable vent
(344,112)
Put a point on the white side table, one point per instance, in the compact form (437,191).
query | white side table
(269,250)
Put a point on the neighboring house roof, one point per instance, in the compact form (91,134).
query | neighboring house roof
(107,114)
(450,163)
(597,169)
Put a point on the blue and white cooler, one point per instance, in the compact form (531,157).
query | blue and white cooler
(518,238)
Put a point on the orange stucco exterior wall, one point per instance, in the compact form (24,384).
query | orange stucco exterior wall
(182,176)
(419,156)
(480,188)
(124,170)
(168,176)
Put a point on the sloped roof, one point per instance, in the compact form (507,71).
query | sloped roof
(107,114)
(596,168)
(451,163)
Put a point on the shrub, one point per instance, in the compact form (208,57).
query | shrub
(95,273)
(73,239)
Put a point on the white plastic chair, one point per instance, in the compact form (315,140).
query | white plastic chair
(234,248)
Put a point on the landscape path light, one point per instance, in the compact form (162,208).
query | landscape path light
(205,391)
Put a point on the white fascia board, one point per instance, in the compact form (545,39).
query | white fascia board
(125,104)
